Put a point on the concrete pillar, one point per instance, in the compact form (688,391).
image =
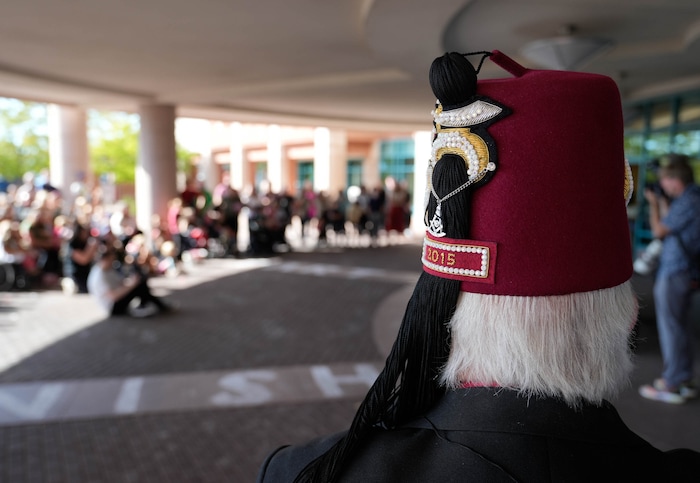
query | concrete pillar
(239,167)
(208,171)
(371,176)
(322,159)
(330,160)
(157,168)
(422,148)
(339,161)
(275,163)
(286,182)
(68,150)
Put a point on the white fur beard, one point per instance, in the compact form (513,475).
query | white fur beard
(573,346)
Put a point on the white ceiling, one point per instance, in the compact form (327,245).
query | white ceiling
(358,63)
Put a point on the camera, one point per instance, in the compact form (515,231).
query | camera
(648,261)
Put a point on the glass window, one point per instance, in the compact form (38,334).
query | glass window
(305,172)
(634,146)
(658,144)
(634,118)
(687,142)
(661,115)
(689,109)
(260,173)
(397,160)
(354,173)
(653,129)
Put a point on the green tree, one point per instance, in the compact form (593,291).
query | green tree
(114,144)
(24,142)
(184,159)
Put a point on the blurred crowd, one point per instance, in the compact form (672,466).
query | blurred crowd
(51,241)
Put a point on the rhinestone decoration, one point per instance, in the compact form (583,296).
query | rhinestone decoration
(435,227)
(475,113)
(479,250)
(455,139)
(629,183)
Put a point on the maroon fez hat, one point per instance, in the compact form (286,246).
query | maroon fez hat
(551,218)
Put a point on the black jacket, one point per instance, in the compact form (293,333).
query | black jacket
(494,435)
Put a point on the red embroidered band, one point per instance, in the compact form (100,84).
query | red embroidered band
(464,260)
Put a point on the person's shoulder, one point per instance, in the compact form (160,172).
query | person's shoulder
(683,457)
(692,192)
(691,200)
(677,465)
(286,462)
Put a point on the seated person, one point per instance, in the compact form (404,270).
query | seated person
(78,259)
(115,292)
(45,240)
(15,252)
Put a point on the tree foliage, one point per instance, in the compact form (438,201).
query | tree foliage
(114,144)
(24,143)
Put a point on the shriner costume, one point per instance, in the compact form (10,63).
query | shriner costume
(485,436)
(560,167)
(518,330)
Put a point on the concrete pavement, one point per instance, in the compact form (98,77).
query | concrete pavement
(262,352)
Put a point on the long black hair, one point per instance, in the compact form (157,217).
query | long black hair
(408,385)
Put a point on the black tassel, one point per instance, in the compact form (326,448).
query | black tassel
(453,80)
(408,385)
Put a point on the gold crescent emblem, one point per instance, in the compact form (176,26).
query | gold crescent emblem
(629,182)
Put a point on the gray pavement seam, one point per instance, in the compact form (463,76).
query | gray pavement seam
(61,400)
(42,402)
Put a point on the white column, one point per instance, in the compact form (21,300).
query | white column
(338,176)
(371,176)
(239,168)
(421,157)
(285,168)
(208,172)
(275,169)
(330,160)
(157,168)
(322,159)
(68,149)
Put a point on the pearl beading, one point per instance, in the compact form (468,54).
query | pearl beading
(475,113)
(456,142)
(629,183)
(453,139)
(483,251)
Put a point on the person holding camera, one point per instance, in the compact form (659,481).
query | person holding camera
(678,225)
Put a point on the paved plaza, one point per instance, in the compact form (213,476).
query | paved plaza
(261,352)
